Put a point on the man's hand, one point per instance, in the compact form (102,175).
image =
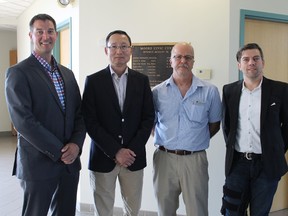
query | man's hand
(125,157)
(70,153)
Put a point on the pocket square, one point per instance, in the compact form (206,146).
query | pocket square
(273,104)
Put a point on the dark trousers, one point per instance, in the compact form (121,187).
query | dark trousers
(58,194)
(255,188)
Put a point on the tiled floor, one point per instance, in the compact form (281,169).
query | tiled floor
(10,191)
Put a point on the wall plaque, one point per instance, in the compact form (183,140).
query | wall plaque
(152,59)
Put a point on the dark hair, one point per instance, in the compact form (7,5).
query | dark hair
(118,32)
(42,17)
(248,47)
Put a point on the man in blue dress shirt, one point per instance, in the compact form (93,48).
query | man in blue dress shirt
(188,114)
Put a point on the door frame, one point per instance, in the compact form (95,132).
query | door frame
(257,15)
(56,51)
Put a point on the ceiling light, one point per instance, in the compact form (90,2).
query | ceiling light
(64,2)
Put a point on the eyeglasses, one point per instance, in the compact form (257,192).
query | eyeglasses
(186,57)
(123,48)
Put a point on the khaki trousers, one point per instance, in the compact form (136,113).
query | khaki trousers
(176,174)
(104,184)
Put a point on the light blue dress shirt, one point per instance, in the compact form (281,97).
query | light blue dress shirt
(182,122)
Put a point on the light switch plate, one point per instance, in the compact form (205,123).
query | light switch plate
(203,73)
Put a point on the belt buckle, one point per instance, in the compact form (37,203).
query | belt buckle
(248,155)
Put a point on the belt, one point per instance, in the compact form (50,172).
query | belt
(179,152)
(247,155)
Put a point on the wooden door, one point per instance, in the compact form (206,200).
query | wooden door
(13,61)
(273,39)
(64,37)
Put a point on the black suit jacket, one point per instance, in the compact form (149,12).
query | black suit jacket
(43,127)
(107,125)
(273,124)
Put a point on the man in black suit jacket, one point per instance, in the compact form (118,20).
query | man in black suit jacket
(255,127)
(51,130)
(119,114)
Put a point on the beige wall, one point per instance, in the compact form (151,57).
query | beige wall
(8,42)
(211,26)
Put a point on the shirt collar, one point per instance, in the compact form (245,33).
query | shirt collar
(45,64)
(113,73)
(258,87)
(196,82)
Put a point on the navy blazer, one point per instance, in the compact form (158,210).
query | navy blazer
(273,124)
(43,126)
(108,126)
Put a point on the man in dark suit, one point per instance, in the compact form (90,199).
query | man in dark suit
(255,127)
(119,115)
(44,103)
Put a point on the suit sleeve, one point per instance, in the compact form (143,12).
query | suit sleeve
(20,106)
(147,119)
(284,116)
(226,117)
(96,131)
(76,125)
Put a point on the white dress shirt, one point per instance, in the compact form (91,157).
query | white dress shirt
(120,84)
(248,132)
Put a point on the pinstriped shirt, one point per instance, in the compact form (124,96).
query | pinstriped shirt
(120,84)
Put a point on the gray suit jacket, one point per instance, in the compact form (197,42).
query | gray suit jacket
(273,124)
(43,126)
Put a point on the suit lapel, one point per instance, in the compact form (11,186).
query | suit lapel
(129,89)
(235,100)
(40,71)
(265,99)
(110,89)
(67,91)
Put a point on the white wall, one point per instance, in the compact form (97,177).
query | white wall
(203,23)
(211,26)
(8,42)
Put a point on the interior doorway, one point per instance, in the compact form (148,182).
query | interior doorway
(270,31)
(63,48)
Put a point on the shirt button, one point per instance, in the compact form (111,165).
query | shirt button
(122,119)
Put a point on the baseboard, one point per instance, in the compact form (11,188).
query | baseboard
(5,133)
(89,209)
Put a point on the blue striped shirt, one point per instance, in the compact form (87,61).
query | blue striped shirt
(182,123)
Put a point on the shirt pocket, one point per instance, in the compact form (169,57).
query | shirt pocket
(195,110)
(274,105)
